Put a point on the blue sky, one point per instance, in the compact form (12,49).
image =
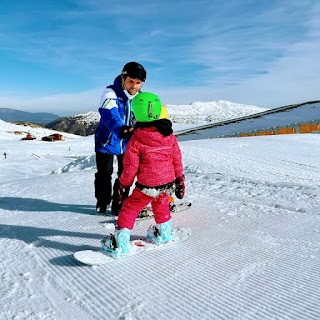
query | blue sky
(57,56)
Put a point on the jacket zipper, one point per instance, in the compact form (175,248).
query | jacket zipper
(109,137)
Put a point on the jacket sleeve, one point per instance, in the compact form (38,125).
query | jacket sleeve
(177,158)
(131,162)
(109,112)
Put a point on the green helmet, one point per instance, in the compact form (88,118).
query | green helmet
(146,107)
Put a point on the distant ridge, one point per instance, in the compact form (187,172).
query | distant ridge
(7,114)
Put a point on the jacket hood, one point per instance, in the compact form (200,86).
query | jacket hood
(117,87)
(163,126)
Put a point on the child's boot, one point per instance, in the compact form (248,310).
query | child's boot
(118,244)
(160,233)
(123,241)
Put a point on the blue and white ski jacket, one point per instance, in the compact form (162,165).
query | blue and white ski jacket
(115,111)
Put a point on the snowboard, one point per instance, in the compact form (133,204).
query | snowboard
(138,246)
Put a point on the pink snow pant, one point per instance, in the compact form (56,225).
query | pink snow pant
(136,202)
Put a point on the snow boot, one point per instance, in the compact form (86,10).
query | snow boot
(118,244)
(160,233)
(101,207)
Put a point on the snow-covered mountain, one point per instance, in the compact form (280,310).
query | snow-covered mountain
(214,111)
(194,113)
(83,124)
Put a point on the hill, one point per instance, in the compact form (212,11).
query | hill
(81,124)
(43,118)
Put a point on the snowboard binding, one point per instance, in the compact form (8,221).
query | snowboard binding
(117,244)
(160,233)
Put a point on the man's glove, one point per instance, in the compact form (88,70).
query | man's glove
(126,132)
(180,187)
(123,193)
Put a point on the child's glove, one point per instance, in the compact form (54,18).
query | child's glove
(180,187)
(123,193)
(126,132)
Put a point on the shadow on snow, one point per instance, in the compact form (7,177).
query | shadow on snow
(29,204)
(36,237)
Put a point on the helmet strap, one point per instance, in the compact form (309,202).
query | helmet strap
(150,109)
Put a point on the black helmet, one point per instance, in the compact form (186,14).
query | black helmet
(134,70)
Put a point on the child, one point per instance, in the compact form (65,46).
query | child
(153,157)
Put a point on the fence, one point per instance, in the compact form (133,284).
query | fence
(313,126)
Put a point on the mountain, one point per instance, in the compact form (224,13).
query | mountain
(209,112)
(81,124)
(43,118)
(195,113)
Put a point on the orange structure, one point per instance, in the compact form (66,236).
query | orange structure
(286,130)
(309,127)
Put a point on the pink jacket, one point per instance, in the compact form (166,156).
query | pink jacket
(155,159)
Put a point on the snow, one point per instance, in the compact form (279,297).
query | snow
(253,252)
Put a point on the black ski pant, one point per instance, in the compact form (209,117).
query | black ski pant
(103,177)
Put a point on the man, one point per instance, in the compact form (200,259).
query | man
(114,131)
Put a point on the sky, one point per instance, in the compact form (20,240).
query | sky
(57,56)
(253,252)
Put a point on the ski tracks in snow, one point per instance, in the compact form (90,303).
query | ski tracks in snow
(245,184)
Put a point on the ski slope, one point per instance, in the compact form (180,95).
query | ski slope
(253,252)
(285,116)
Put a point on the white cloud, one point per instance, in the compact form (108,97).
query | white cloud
(61,104)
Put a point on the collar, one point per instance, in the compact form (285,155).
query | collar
(129,96)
